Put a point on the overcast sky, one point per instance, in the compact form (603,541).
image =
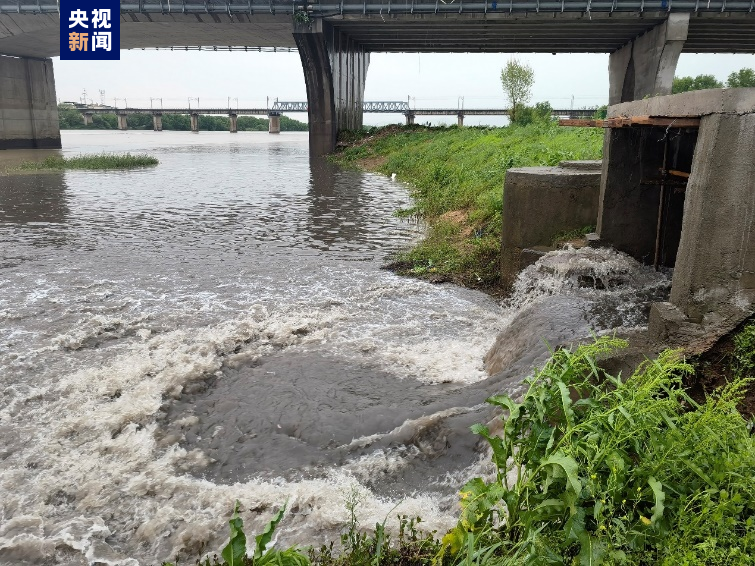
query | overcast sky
(432,80)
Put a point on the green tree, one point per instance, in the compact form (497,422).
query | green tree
(516,80)
(743,77)
(700,82)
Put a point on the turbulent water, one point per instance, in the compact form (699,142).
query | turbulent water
(218,328)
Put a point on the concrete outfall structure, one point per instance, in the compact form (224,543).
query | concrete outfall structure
(539,203)
(28,105)
(685,198)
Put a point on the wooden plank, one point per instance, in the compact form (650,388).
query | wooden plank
(628,121)
(580,123)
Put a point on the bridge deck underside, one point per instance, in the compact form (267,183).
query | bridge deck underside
(37,35)
(542,33)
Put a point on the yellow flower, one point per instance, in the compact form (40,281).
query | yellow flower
(645,520)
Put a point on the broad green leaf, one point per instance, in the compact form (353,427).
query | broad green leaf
(264,538)
(574,528)
(235,551)
(660,497)
(559,460)
(591,550)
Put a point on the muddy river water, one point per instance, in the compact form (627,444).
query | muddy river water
(218,327)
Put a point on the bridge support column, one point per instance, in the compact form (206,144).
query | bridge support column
(409,119)
(460,120)
(122,122)
(28,104)
(645,66)
(87,118)
(157,122)
(335,69)
(194,123)
(274,125)
(234,122)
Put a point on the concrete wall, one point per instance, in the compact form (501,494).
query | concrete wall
(28,104)
(540,202)
(715,268)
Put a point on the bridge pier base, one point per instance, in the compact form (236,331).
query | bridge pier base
(234,123)
(194,123)
(409,119)
(274,124)
(335,70)
(460,120)
(87,118)
(122,122)
(28,104)
(157,122)
(645,66)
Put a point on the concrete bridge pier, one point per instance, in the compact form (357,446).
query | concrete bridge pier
(645,66)
(460,120)
(234,121)
(28,104)
(409,119)
(87,118)
(335,70)
(274,125)
(122,122)
(157,122)
(194,123)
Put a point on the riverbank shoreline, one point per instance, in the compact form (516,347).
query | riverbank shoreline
(456,177)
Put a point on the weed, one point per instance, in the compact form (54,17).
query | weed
(93,161)
(596,470)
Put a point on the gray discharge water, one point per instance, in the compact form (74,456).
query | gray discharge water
(218,328)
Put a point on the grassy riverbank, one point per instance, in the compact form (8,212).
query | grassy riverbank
(93,162)
(456,176)
(592,469)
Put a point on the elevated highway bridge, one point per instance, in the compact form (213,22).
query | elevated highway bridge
(335,39)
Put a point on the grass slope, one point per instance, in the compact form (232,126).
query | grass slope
(457,175)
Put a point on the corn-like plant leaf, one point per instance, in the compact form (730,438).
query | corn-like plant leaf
(235,551)
(660,497)
(566,404)
(264,538)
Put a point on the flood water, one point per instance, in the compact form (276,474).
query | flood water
(218,327)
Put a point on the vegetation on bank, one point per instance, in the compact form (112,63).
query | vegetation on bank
(71,119)
(592,469)
(98,161)
(456,177)
(743,78)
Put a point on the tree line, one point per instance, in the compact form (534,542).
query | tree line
(71,119)
(742,78)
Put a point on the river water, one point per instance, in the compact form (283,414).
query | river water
(218,328)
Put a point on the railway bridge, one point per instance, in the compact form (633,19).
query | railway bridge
(334,39)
